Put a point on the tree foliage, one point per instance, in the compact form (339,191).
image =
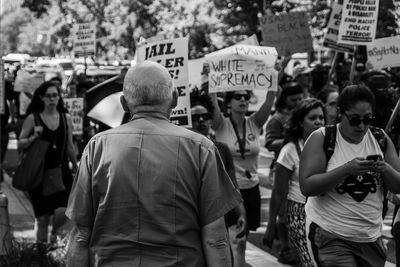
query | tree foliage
(210,24)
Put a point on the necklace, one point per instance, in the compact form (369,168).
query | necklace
(53,137)
(52,133)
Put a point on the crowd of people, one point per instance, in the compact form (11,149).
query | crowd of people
(193,196)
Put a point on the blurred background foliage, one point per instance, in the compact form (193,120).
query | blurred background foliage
(44,27)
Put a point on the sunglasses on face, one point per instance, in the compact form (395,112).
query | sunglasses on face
(355,121)
(204,117)
(239,96)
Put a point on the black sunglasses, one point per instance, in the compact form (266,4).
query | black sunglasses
(239,96)
(204,116)
(355,121)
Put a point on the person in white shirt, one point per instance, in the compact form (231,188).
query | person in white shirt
(305,118)
(345,193)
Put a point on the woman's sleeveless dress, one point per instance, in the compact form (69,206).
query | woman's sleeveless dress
(47,204)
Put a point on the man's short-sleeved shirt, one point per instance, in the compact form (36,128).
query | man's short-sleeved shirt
(145,189)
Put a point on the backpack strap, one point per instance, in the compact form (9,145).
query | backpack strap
(296,144)
(36,117)
(380,137)
(65,127)
(329,141)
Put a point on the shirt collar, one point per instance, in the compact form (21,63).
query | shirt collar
(149,114)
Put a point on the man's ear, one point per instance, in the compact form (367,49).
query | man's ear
(174,102)
(124,103)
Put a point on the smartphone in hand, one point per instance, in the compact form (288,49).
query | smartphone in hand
(374,157)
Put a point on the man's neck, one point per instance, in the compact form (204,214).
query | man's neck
(152,109)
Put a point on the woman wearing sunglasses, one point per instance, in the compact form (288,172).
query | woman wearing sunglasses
(241,134)
(202,109)
(345,193)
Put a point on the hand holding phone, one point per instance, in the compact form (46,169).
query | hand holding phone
(374,157)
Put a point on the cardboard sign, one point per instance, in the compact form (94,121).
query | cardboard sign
(332,32)
(24,102)
(384,52)
(243,67)
(85,39)
(196,75)
(251,40)
(358,22)
(26,82)
(173,55)
(289,32)
(75,109)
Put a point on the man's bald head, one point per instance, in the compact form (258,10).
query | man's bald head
(148,84)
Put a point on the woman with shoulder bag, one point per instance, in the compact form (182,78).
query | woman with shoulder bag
(48,120)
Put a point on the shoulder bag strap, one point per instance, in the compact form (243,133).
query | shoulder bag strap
(65,127)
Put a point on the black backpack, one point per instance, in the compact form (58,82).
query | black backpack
(329,148)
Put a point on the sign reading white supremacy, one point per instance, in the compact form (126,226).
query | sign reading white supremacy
(75,109)
(289,32)
(243,67)
(384,52)
(358,24)
(85,38)
(196,75)
(173,55)
(331,35)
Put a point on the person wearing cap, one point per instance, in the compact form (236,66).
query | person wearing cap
(302,75)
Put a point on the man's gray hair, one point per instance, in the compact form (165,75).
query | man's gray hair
(148,84)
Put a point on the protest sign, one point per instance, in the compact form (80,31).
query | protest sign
(289,32)
(331,35)
(26,82)
(2,88)
(358,22)
(24,102)
(196,75)
(384,52)
(196,72)
(243,67)
(251,40)
(173,55)
(75,109)
(85,39)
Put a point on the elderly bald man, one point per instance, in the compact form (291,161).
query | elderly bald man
(150,193)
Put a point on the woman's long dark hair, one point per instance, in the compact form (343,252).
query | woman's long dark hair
(37,105)
(293,127)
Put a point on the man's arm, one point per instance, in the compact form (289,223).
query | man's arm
(215,243)
(78,250)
